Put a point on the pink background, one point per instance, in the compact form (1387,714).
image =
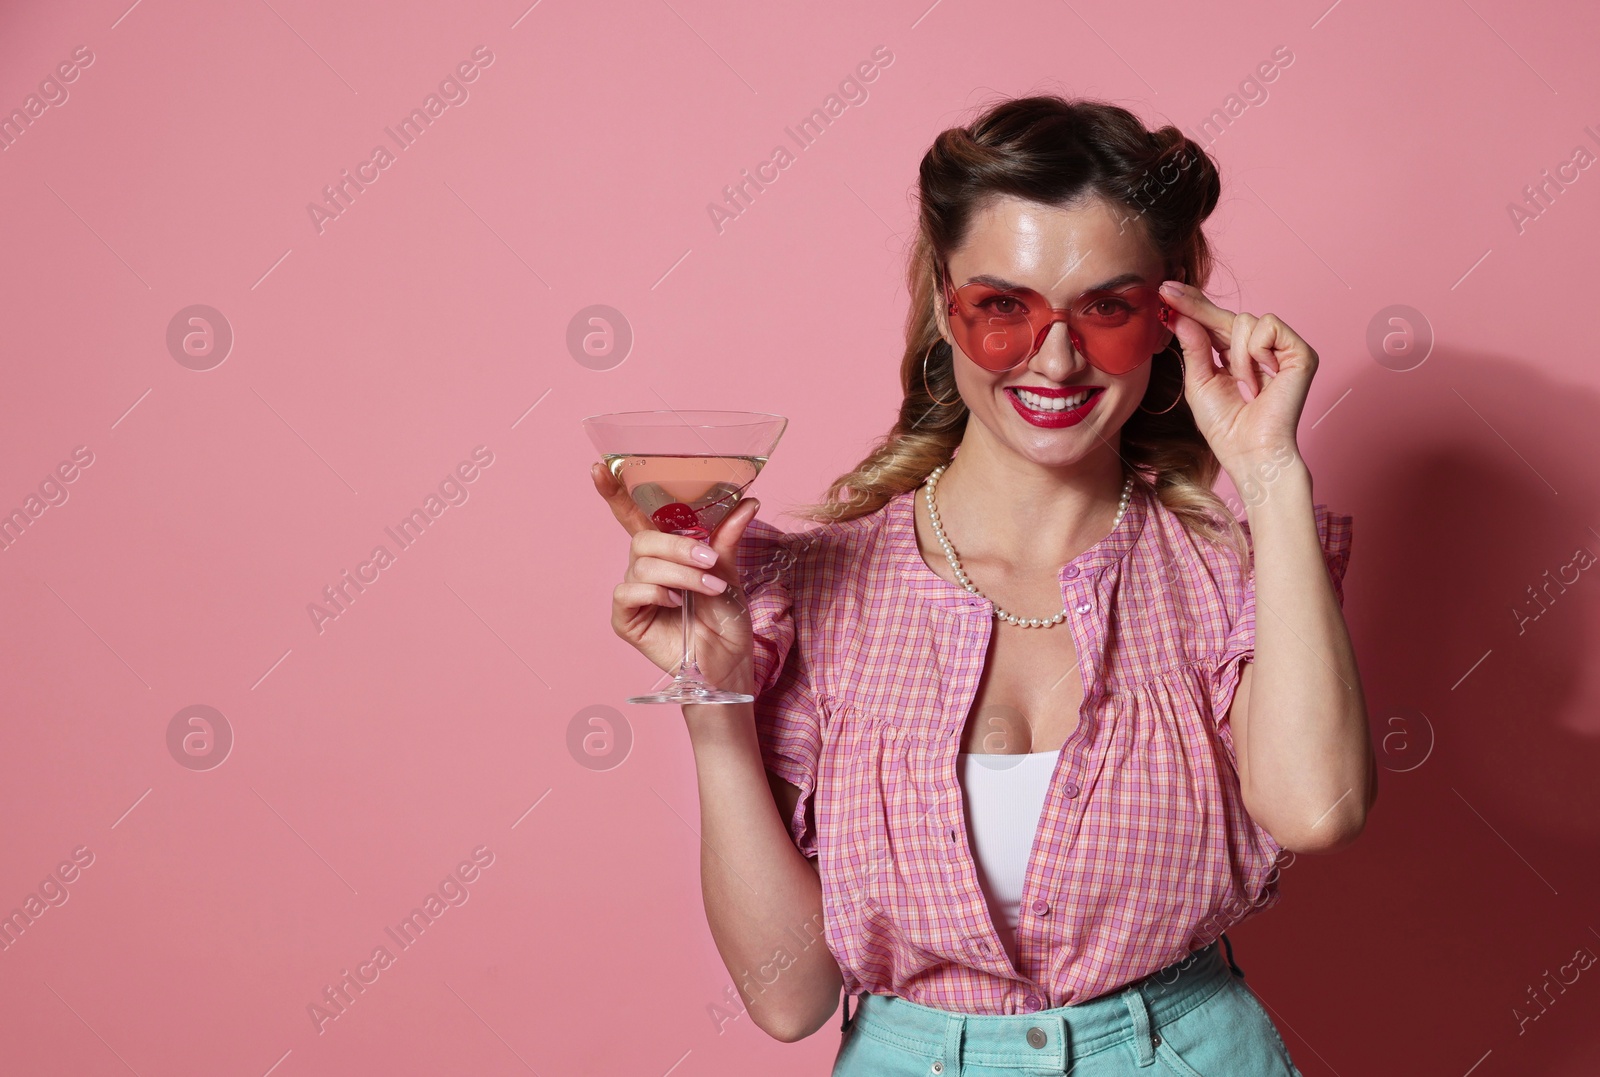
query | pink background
(433,717)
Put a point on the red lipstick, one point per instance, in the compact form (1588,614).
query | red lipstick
(1055,419)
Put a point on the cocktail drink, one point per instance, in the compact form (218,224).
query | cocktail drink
(686,470)
(685,495)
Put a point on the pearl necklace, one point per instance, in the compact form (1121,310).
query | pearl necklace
(955,562)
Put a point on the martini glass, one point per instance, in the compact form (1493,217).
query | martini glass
(686,470)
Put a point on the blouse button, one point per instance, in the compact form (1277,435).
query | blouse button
(1072,790)
(1072,572)
(1041,906)
(1031,1003)
(1084,608)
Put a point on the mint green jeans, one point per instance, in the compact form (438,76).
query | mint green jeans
(1194,1018)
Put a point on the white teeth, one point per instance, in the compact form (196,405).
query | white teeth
(1051,403)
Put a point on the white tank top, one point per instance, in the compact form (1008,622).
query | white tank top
(1004,799)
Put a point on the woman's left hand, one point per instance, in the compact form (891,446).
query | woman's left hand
(1249,409)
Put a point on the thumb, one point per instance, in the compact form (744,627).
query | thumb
(1199,367)
(732,528)
(725,539)
(623,507)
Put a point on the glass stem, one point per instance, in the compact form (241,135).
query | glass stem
(688,669)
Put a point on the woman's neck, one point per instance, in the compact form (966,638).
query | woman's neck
(1008,509)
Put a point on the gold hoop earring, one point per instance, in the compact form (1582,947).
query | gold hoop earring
(929,389)
(1183,372)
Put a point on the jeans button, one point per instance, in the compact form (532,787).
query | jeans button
(1036,1037)
(938,1067)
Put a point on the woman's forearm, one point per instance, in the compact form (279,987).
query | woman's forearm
(763,898)
(1305,753)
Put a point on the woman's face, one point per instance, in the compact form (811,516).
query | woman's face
(1059,253)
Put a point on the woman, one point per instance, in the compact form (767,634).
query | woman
(1022,749)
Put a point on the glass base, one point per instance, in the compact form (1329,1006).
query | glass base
(690,691)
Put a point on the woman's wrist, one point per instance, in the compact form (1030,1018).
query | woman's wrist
(720,726)
(1262,475)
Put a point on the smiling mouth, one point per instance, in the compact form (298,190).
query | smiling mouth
(1037,402)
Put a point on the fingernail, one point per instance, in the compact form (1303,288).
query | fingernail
(704,554)
(1171,287)
(716,583)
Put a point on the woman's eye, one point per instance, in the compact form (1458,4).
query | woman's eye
(1003,304)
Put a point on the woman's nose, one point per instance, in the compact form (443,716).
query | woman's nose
(1057,359)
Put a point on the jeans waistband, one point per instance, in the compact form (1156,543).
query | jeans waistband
(1048,1039)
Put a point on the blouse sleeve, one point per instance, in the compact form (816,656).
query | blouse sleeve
(788,718)
(1333,533)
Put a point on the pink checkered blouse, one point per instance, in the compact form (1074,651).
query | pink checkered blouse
(867,664)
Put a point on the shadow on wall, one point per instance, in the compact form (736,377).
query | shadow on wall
(1463,929)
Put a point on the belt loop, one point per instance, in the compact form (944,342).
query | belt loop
(954,1025)
(1143,1047)
(844,1023)
(1227,944)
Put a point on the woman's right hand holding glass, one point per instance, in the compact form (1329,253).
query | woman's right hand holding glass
(647,611)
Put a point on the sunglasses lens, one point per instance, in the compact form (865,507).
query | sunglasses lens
(1122,330)
(995,329)
(1001,343)
(1116,331)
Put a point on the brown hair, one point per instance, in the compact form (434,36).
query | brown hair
(1055,151)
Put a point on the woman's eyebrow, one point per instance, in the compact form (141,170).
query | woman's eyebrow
(1004,285)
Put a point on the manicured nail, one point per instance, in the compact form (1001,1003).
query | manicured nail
(716,583)
(704,554)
